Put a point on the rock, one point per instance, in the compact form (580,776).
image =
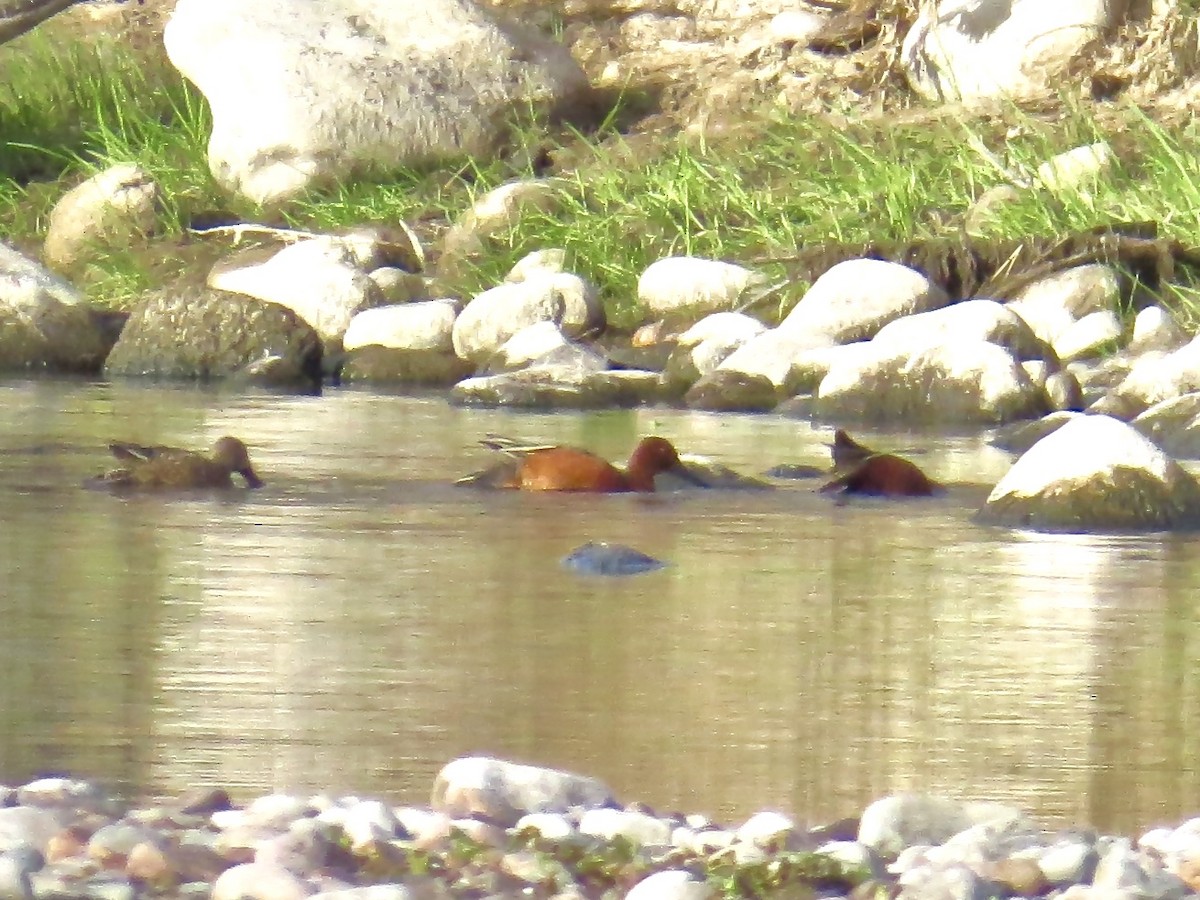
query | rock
(1064,392)
(726,327)
(543,344)
(689,283)
(110,845)
(259,881)
(1052,305)
(1091,336)
(559,387)
(1174,425)
(193,333)
(539,262)
(970,320)
(966,382)
(1069,860)
(767,829)
(854,299)
(1018,437)
(636,827)
(974,50)
(398,286)
(894,823)
(672,884)
(497,314)
(503,791)
(321,280)
(778,356)
(1076,170)
(72,793)
(600,558)
(954,881)
(497,210)
(1155,377)
(423,325)
(304,93)
(112,208)
(551,826)
(28,826)
(416,368)
(724,390)
(45,323)
(1094,473)
(1154,328)
(17,864)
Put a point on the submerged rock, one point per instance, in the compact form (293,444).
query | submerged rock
(610,559)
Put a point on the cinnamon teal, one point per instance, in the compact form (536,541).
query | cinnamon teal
(175,468)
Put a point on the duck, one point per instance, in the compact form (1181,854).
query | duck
(860,470)
(160,467)
(551,467)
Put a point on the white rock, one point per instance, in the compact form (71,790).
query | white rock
(688,282)
(672,884)
(1154,328)
(766,828)
(497,210)
(970,320)
(1076,169)
(1095,472)
(727,327)
(543,343)
(117,204)
(539,262)
(259,881)
(1052,305)
(978,49)
(305,92)
(638,828)
(319,279)
(424,325)
(504,791)
(855,299)
(494,316)
(954,383)
(551,826)
(1089,336)
(774,355)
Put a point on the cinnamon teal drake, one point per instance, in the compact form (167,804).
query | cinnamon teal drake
(860,470)
(555,468)
(174,468)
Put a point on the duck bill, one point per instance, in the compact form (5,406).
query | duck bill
(252,479)
(683,473)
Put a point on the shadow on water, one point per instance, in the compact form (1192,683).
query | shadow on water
(360,621)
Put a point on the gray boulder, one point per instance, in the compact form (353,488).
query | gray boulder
(194,333)
(45,323)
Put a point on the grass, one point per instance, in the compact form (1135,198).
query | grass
(68,109)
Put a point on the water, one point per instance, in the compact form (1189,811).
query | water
(361,621)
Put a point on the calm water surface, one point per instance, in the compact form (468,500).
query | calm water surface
(360,621)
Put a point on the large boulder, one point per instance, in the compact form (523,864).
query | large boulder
(323,280)
(1095,473)
(45,323)
(305,92)
(855,299)
(980,49)
(202,334)
(954,383)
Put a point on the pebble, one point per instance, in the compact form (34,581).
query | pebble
(562,830)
